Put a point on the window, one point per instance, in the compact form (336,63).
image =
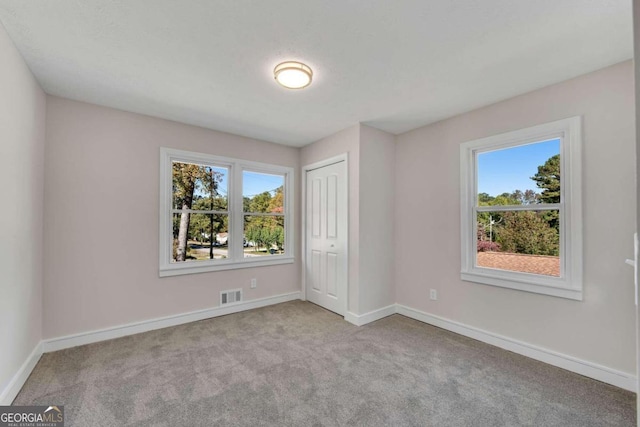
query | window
(218,213)
(521,209)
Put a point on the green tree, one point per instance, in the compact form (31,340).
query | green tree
(278,236)
(184,183)
(484,198)
(204,226)
(254,233)
(260,202)
(505,199)
(276,204)
(527,232)
(528,197)
(188,180)
(548,179)
(489,221)
(255,224)
(265,231)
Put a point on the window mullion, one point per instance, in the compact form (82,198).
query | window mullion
(532,207)
(236,248)
(196,211)
(264,214)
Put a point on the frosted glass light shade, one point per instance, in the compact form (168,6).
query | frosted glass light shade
(293,75)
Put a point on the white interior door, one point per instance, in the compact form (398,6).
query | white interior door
(326,237)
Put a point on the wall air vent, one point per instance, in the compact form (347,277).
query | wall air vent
(230,297)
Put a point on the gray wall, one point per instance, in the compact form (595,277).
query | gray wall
(377,223)
(599,329)
(371,154)
(22,145)
(101,225)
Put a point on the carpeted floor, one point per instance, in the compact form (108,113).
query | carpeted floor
(295,364)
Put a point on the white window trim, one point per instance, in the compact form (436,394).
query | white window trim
(236,215)
(569,284)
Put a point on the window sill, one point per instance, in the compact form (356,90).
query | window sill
(522,282)
(190,268)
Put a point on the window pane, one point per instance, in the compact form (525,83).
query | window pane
(523,241)
(263,235)
(198,237)
(263,192)
(200,187)
(520,175)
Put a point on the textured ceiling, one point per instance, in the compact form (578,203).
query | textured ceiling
(395,65)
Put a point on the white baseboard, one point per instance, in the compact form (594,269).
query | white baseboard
(60,343)
(13,388)
(53,344)
(588,369)
(372,316)
(592,370)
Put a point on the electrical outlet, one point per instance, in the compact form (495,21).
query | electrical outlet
(433,294)
(254,283)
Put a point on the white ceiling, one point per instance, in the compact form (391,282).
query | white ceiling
(392,64)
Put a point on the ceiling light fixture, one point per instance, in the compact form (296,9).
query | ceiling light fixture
(293,74)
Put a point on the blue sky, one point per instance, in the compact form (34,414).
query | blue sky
(222,185)
(510,169)
(253,182)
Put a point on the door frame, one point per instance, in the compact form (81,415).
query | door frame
(344,157)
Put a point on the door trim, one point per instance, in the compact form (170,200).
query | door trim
(344,157)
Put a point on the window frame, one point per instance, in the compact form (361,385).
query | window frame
(569,284)
(236,213)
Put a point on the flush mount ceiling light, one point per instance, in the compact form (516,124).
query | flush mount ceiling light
(293,74)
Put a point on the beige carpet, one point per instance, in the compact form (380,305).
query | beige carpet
(295,364)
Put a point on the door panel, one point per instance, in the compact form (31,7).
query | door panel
(316,257)
(332,202)
(332,274)
(326,237)
(315,206)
